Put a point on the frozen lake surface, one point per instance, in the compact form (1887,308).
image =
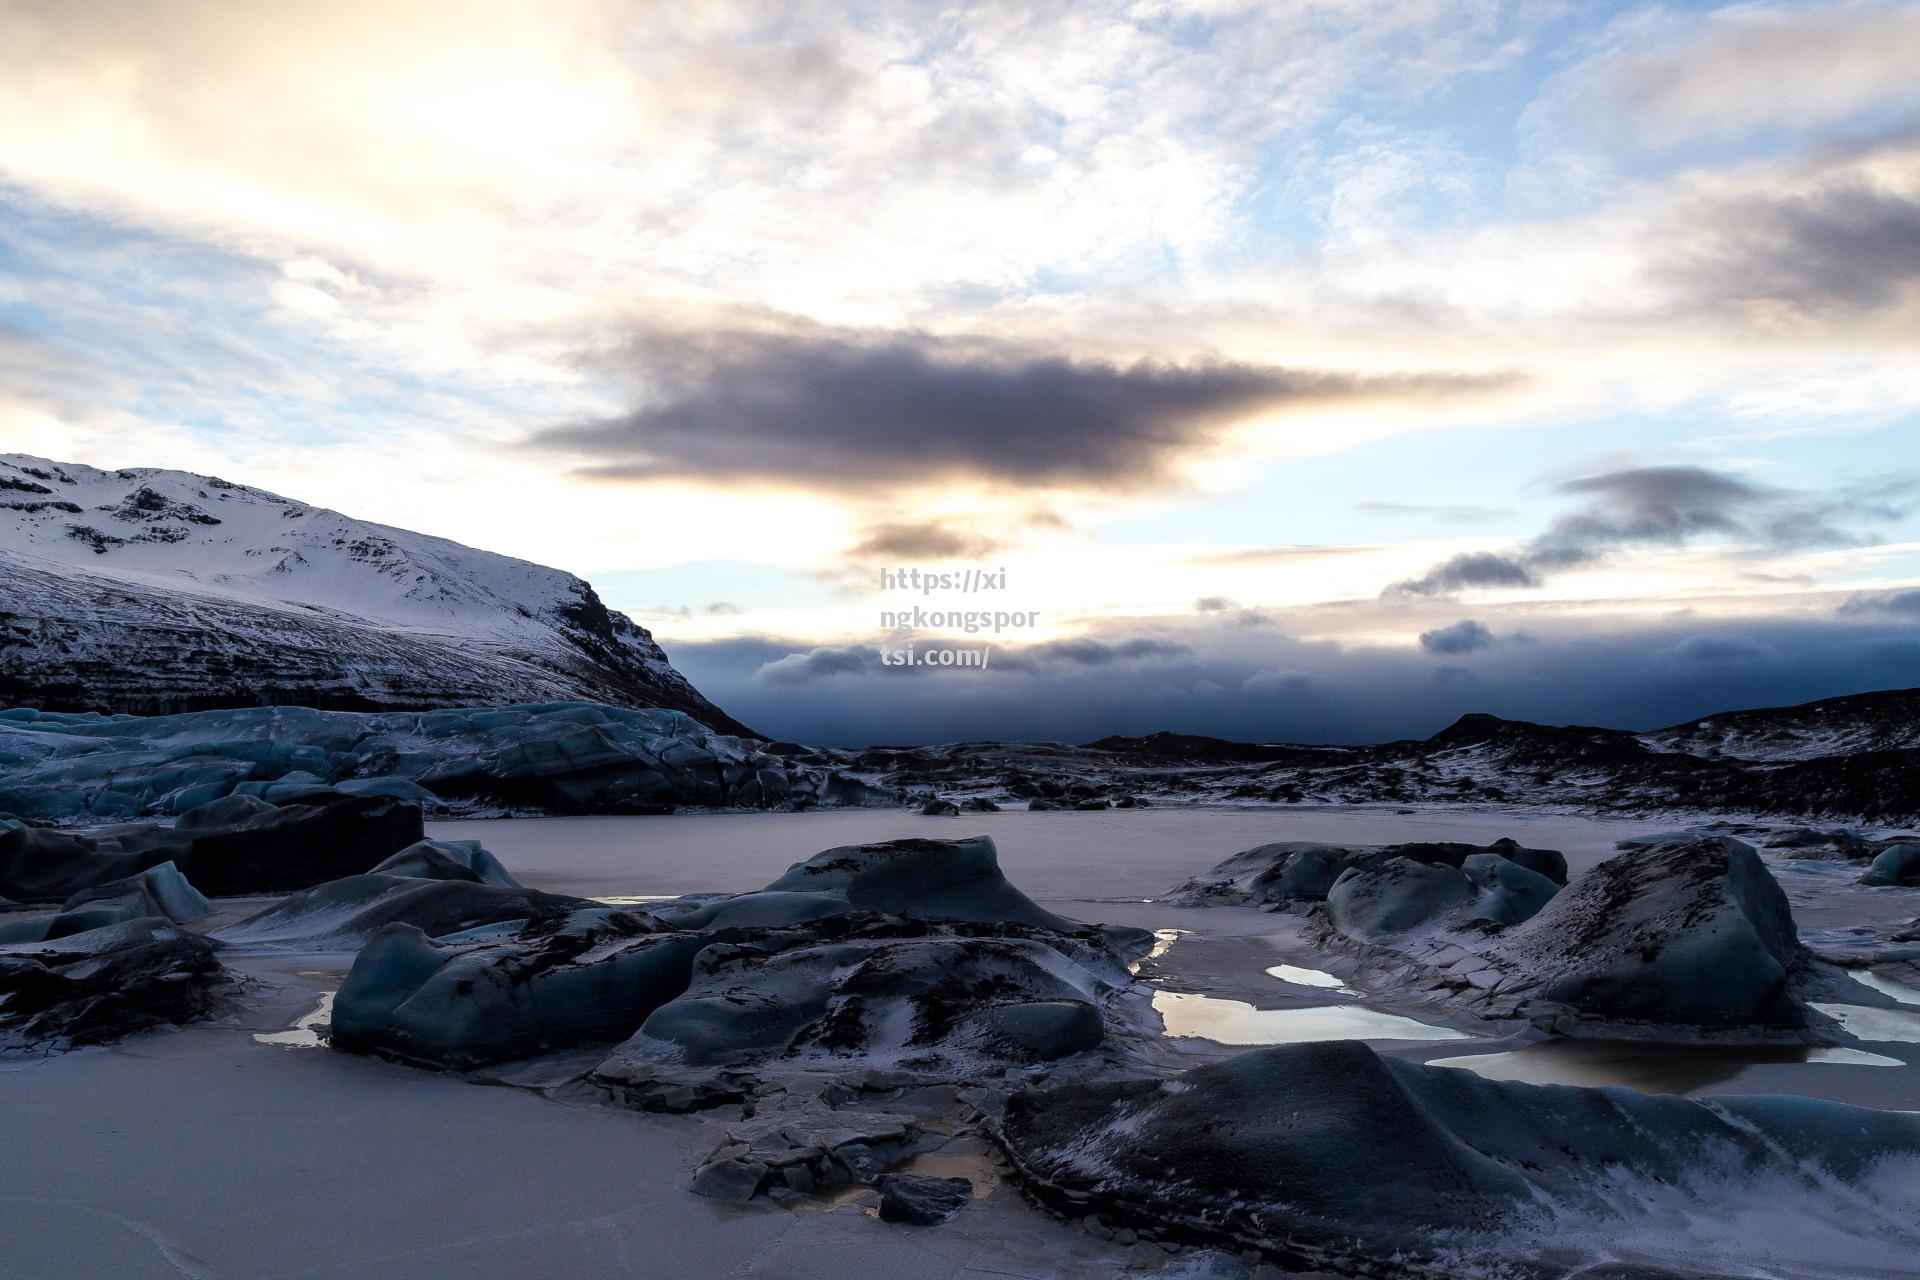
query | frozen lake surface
(1061,854)
(238,1149)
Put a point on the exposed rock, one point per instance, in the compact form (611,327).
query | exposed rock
(937,808)
(1332,1155)
(802,1142)
(920,1201)
(258,851)
(102,984)
(1851,759)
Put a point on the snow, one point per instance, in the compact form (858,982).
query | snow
(147,587)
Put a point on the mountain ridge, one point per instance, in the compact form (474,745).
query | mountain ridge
(147,590)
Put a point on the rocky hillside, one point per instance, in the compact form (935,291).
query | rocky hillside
(150,591)
(1856,757)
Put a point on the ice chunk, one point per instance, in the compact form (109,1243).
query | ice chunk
(1333,1155)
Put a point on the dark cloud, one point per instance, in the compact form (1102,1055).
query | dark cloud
(1647,506)
(1848,248)
(1208,675)
(828,662)
(827,407)
(1897,603)
(923,542)
(1286,683)
(1670,507)
(1469,569)
(1719,649)
(1464,636)
(1088,652)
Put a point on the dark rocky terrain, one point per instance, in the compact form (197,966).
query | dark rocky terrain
(1855,758)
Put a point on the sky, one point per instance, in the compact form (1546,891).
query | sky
(1298,371)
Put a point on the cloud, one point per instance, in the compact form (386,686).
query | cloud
(863,660)
(1670,506)
(1897,603)
(822,663)
(1286,683)
(1647,506)
(1282,555)
(1664,78)
(1466,570)
(1208,675)
(1214,604)
(923,542)
(819,406)
(1453,512)
(1464,636)
(1734,649)
(1851,247)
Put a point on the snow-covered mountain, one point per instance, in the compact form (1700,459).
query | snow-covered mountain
(147,590)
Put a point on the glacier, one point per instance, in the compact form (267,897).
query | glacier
(564,757)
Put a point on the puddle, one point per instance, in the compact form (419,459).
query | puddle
(1236,1023)
(1887,986)
(1864,1023)
(1163,940)
(1650,1068)
(633,899)
(305,1032)
(1310,978)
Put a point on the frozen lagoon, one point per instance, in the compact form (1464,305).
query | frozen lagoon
(205,1152)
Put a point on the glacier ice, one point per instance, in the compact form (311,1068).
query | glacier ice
(229,847)
(570,757)
(910,952)
(1294,871)
(1332,1155)
(101,984)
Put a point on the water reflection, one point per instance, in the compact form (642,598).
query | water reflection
(1650,1068)
(1900,991)
(1310,978)
(305,1033)
(1864,1023)
(1234,1022)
